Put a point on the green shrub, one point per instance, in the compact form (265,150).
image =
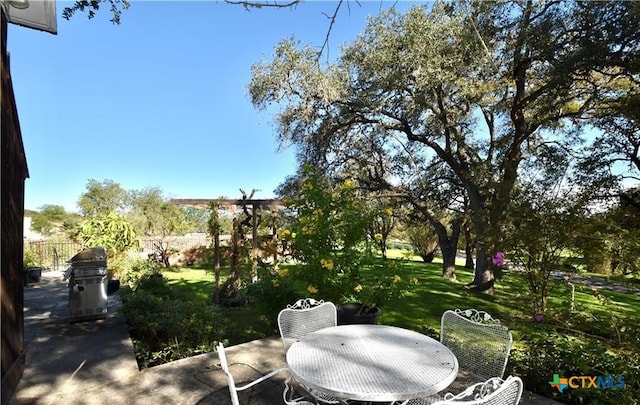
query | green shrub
(134,271)
(537,359)
(165,328)
(270,294)
(30,258)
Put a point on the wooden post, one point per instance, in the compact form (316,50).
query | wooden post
(216,266)
(214,229)
(274,237)
(235,251)
(254,237)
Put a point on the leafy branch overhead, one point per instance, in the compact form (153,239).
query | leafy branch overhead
(117,6)
(92,6)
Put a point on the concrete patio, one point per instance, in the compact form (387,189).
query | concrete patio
(93,362)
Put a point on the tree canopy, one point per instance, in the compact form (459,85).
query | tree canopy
(100,198)
(472,88)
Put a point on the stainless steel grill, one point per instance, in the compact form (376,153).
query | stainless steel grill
(87,274)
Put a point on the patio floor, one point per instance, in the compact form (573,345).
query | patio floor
(93,362)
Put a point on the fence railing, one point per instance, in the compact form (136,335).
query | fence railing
(148,244)
(53,254)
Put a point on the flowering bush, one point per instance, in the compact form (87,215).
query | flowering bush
(326,237)
(498,259)
(387,287)
(327,227)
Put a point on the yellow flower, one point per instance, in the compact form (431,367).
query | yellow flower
(312,289)
(414,280)
(327,264)
(388,211)
(349,185)
(293,235)
(283,272)
(275,282)
(357,288)
(305,230)
(317,212)
(408,254)
(395,278)
(307,186)
(378,236)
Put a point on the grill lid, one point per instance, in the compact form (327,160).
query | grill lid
(90,257)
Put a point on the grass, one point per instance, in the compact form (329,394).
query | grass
(422,306)
(599,337)
(197,283)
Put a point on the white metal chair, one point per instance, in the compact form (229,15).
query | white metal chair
(233,389)
(305,316)
(494,391)
(479,342)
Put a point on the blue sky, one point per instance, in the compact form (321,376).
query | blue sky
(160,100)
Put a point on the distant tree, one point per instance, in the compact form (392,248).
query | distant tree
(48,219)
(610,240)
(383,221)
(100,198)
(423,238)
(543,230)
(154,215)
(197,219)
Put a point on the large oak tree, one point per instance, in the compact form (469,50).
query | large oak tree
(478,87)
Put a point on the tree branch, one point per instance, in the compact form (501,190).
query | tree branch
(332,20)
(266,3)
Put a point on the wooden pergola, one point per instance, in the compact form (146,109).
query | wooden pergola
(202,203)
(233,206)
(249,206)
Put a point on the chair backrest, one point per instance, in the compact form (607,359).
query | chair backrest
(478,341)
(305,316)
(494,391)
(225,367)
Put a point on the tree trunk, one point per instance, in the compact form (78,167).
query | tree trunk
(448,261)
(484,278)
(448,246)
(468,247)
(383,247)
(427,255)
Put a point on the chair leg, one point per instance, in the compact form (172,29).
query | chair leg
(289,393)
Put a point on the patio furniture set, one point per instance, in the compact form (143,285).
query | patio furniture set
(329,363)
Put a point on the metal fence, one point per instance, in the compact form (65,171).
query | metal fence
(53,254)
(149,244)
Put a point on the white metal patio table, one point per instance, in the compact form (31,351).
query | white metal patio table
(375,363)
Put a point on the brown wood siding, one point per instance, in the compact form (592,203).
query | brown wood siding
(14,172)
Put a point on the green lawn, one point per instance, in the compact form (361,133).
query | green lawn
(422,306)
(599,337)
